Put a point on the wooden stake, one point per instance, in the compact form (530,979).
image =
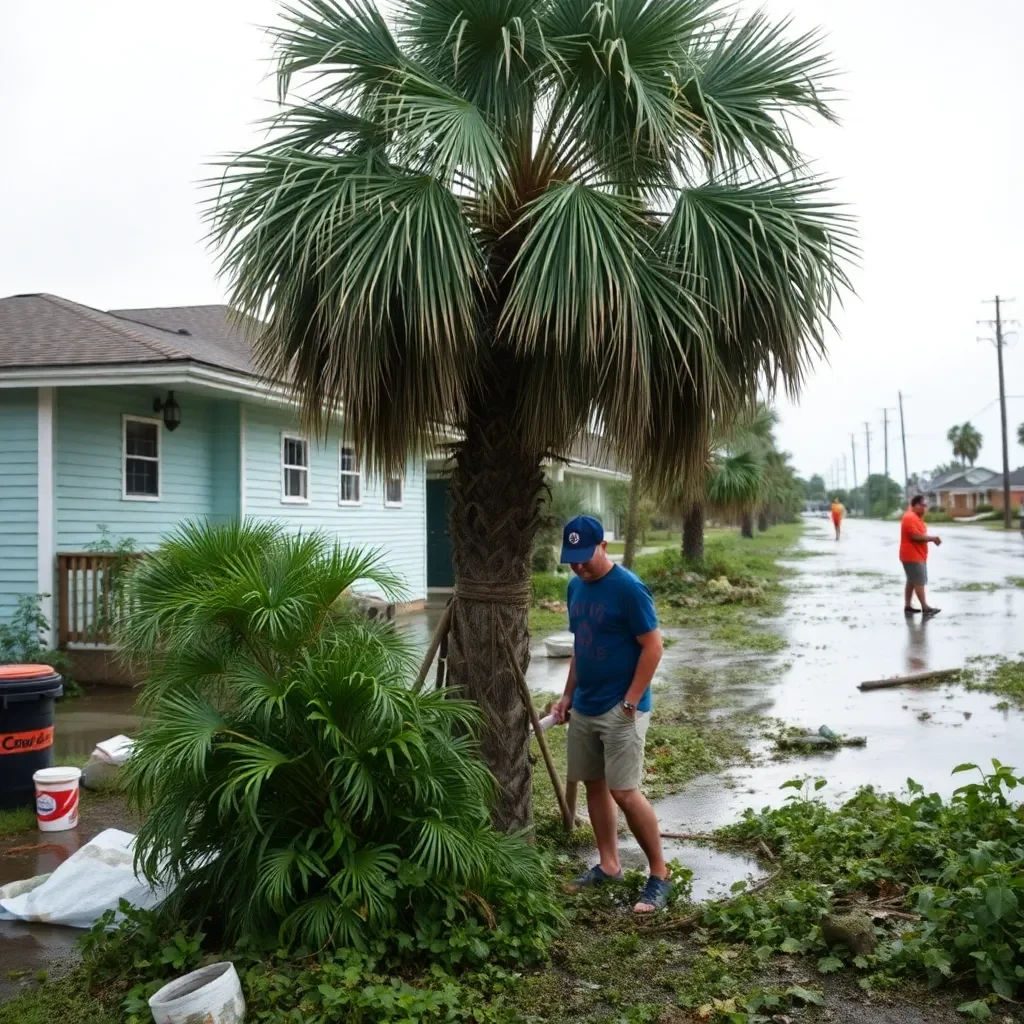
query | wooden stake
(435,642)
(568,817)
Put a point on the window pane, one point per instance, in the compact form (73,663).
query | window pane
(140,438)
(294,452)
(348,460)
(295,483)
(141,477)
(349,487)
(393,491)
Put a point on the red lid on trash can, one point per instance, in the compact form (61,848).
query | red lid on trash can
(26,672)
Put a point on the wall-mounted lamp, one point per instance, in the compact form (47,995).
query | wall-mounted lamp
(171,410)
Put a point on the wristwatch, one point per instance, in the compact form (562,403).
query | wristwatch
(628,706)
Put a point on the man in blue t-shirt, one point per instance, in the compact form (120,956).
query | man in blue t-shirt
(616,651)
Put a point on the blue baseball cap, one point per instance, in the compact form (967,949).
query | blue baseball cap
(580,537)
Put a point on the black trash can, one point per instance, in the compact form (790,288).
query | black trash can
(27,693)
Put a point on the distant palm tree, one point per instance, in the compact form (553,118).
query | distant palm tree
(506,219)
(1020,433)
(966,442)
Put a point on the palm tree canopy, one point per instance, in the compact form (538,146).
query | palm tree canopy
(600,202)
(1020,433)
(966,441)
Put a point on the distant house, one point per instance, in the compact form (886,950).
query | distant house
(140,418)
(962,492)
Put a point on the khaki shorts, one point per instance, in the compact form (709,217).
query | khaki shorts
(608,746)
(917,573)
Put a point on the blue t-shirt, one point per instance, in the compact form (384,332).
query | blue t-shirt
(606,617)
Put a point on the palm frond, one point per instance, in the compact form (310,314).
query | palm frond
(743,79)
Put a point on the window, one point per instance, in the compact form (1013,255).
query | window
(348,476)
(294,469)
(140,462)
(393,492)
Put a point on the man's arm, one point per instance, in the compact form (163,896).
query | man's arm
(561,707)
(925,538)
(651,650)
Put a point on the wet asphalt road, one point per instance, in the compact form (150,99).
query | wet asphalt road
(844,622)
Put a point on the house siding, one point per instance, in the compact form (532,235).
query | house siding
(399,533)
(198,477)
(19,507)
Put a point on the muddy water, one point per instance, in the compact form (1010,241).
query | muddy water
(844,622)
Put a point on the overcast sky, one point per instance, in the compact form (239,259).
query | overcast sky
(110,110)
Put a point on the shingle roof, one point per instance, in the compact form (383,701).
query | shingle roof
(976,478)
(46,330)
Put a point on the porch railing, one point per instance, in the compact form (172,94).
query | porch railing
(88,603)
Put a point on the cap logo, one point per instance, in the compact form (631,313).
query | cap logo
(574,538)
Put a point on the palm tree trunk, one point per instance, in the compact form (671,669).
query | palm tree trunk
(762,521)
(495,490)
(747,525)
(693,534)
(632,517)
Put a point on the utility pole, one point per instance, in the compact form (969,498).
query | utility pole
(845,481)
(906,468)
(867,485)
(885,488)
(853,453)
(1000,343)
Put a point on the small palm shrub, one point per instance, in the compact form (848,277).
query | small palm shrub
(294,788)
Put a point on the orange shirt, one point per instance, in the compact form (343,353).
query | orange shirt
(837,510)
(912,526)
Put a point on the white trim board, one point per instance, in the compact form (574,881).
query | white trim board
(45,546)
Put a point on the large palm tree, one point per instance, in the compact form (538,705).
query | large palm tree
(966,442)
(516,218)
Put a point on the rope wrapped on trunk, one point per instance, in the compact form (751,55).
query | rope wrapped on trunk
(491,592)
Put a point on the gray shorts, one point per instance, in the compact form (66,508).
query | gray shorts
(608,746)
(917,573)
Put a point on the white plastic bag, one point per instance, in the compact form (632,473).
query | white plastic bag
(90,882)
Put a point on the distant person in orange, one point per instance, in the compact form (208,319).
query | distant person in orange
(914,541)
(837,515)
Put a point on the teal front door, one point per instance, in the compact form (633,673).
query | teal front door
(440,572)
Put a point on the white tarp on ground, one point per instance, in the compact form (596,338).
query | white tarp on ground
(90,882)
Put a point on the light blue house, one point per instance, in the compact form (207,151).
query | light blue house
(138,419)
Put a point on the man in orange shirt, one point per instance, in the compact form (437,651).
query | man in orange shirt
(837,514)
(914,541)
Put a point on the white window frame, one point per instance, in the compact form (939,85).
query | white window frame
(291,499)
(125,496)
(401,501)
(342,473)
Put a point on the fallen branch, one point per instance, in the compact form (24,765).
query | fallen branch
(694,837)
(917,677)
(691,919)
(765,849)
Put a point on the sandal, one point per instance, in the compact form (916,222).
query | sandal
(595,876)
(655,896)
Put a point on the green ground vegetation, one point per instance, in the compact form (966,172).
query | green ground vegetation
(998,675)
(932,885)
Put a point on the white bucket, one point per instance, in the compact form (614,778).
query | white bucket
(57,798)
(211,994)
